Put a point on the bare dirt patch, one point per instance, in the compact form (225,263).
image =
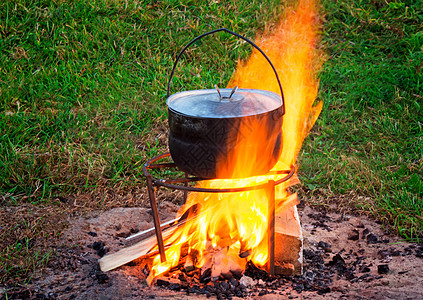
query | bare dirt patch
(345,256)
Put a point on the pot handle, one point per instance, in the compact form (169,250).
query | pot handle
(237,35)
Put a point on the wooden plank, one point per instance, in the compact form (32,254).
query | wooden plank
(141,249)
(126,255)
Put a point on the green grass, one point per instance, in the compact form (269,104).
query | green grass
(369,137)
(82,88)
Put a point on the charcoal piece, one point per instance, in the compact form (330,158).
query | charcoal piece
(174,287)
(237,274)
(314,257)
(255,273)
(195,289)
(364,269)
(324,246)
(383,269)
(364,276)
(101,277)
(354,235)
(162,282)
(358,261)
(339,263)
(372,238)
(123,234)
(366,231)
(224,285)
(419,253)
(245,253)
(324,290)
(100,247)
(349,275)
(227,276)
(206,276)
(299,287)
(234,283)
(92,233)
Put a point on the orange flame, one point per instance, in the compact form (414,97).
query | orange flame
(232,223)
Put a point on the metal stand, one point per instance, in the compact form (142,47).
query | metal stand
(183,184)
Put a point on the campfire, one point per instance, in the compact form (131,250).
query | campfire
(241,212)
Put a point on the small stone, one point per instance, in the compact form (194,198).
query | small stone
(92,233)
(383,269)
(384,282)
(384,254)
(247,281)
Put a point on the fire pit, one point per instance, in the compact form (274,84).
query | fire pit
(273,179)
(269,186)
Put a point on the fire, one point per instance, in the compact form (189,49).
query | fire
(231,228)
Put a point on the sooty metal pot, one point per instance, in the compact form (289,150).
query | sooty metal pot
(207,125)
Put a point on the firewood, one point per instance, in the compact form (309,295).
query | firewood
(189,264)
(143,247)
(126,255)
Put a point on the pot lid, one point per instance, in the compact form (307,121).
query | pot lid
(224,103)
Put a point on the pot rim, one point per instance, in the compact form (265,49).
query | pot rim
(258,92)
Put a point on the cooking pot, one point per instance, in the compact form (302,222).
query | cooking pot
(205,126)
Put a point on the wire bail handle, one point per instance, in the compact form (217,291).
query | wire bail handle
(237,35)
